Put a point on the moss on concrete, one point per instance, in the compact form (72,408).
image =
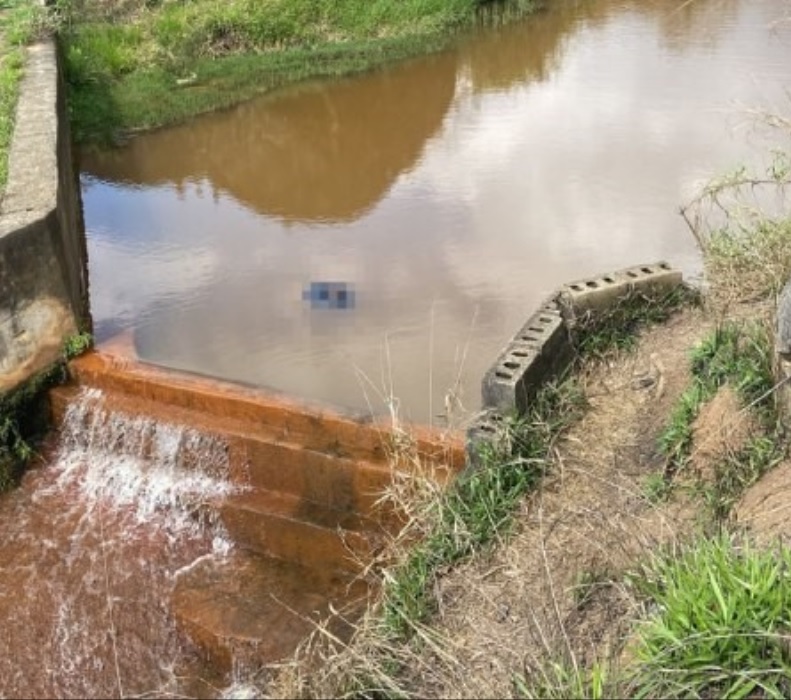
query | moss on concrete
(24,412)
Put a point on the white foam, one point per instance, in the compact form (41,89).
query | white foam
(160,473)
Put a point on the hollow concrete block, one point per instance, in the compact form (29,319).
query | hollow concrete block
(485,432)
(539,351)
(595,295)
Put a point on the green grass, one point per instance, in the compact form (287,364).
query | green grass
(656,488)
(561,680)
(154,63)
(739,354)
(735,473)
(21,21)
(720,626)
(11,63)
(479,505)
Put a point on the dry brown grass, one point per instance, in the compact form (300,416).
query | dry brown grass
(741,224)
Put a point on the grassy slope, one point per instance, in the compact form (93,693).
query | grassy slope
(14,32)
(134,65)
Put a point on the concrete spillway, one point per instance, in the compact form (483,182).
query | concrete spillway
(300,506)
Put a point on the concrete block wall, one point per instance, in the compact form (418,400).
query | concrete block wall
(543,349)
(43,258)
(538,351)
(596,295)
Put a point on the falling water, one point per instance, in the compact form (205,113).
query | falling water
(92,544)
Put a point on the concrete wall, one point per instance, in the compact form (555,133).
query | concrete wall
(543,349)
(43,258)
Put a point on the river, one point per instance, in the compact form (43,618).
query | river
(441,199)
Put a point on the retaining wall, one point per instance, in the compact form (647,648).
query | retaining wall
(43,258)
(543,349)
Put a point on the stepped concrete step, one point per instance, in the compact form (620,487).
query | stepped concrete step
(286,527)
(246,610)
(334,482)
(313,426)
(260,462)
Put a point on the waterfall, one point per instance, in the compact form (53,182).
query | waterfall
(91,546)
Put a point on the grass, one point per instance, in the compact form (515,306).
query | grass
(136,64)
(739,354)
(479,505)
(656,488)
(735,473)
(560,680)
(21,21)
(721,625)
(11,62)
(599,336)
(743,229)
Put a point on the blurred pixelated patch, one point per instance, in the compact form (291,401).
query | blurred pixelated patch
(329,295)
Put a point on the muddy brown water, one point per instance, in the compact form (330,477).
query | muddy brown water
(449,193)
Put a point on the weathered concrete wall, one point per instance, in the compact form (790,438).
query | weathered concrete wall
(43,258)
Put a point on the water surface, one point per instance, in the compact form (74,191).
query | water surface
(451,193)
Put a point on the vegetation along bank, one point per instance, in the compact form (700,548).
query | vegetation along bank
(138,64)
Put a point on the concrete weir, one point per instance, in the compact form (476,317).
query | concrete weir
(306,520)
(43,273)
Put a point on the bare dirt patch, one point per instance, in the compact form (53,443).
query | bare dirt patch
(722,428)
(765,508)
(548,591)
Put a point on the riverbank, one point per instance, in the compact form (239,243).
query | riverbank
(136,65)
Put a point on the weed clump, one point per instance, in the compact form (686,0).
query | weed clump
(720,626)
(737,353)
(597,336)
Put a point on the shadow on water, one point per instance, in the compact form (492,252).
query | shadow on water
(320,152)
(328,151)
